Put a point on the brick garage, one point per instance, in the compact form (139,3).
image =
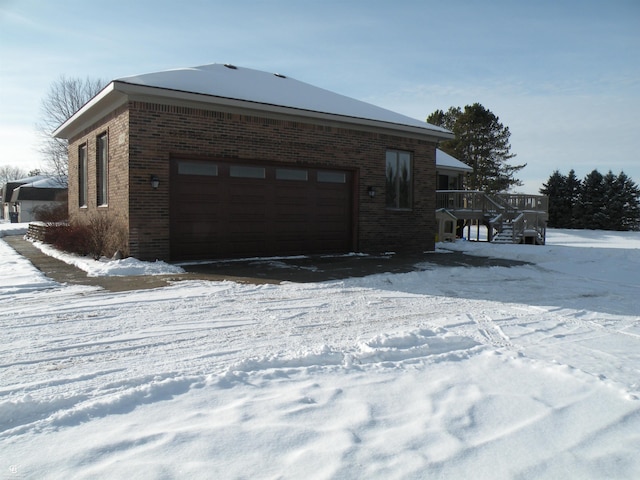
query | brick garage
(242,119)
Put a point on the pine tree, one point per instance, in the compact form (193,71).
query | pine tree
(629,201)
(555,189)
(599,202)
(482,142)
(571,196)
(591,206)
(613,205)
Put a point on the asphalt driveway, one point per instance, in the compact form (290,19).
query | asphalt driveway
(316,268)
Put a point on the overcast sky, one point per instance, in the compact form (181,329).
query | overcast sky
(564,76)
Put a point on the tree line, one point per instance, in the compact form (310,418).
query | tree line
(598,202)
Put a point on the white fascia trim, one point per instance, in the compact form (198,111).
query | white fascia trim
(106,101)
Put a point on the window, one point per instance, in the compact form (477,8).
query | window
(332,177)
(398,180)
(82,175)
(242,171)
(102,169)
(193,168)
(290,174)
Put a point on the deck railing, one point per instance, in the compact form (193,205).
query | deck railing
(460,200)
(475,201)
(526,214)
(521,202)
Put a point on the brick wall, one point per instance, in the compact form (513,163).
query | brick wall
(158,132)
(116,127)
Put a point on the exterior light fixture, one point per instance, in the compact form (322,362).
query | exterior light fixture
(371,191)
(155,182)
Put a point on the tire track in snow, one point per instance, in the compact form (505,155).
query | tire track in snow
(491,331)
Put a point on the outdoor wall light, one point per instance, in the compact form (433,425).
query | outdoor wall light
(371,191)
(155,181)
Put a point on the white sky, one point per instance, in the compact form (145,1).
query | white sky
(563,76)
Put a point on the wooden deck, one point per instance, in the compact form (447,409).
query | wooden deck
(509,218)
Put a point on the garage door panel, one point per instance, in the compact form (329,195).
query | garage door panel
(192,194)
(246,201)
(199,228)
(292,201)
(203,209)
(245,215)
(256,229)
(187,216)
(246,248)
(296,219)
(286,212)
(296,208)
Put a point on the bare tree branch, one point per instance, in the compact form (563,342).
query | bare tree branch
(65,97)
(9,173)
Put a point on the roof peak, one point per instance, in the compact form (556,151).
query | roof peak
(242,87)
(231,81)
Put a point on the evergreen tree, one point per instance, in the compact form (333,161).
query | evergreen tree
(482,142)
(628,202)
(606,202)
(613,206)
(591,206)
(555,189)
(571,196)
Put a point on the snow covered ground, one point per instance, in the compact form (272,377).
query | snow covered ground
(524,372)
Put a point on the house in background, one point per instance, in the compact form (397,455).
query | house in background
(22,196)
(220,161)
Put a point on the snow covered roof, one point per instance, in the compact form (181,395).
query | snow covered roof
(243,87)
(46,182)
(444,160)
(24,180)
(39,187)
(9,187)
(26,192)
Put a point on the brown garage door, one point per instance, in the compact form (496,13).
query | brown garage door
(223,209)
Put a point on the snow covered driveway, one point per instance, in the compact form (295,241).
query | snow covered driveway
(524,372)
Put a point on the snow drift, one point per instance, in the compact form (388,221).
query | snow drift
(524,372)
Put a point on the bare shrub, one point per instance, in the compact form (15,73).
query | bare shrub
(69,238)
(53,213)
(100,236)
(107,236)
